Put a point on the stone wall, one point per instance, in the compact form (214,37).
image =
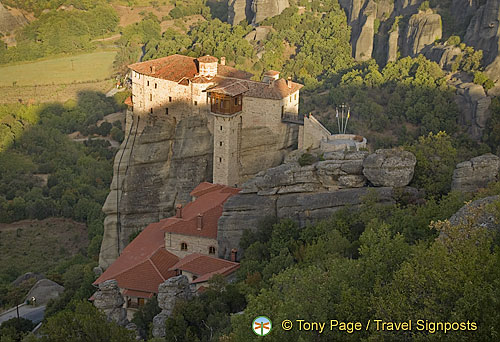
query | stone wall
(195,244)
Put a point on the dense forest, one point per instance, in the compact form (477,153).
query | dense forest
(392,262)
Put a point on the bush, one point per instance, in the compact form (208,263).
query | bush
(453,40)
(483,80)
(307,159)
(117,134)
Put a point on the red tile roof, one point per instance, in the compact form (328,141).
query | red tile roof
(176,68)
(138,294)
(277,89)
(204,266)
(128,101)
(144,263)
(209,203)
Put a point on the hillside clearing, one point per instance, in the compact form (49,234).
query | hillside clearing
(60,70)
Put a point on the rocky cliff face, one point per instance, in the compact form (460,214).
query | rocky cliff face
(312,192)
(157,166)
(109,299)
(254,11)
(161,161)
(484,33)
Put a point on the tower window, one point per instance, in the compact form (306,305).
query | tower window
(295,97)
(170,99)
(156,85)
(150,97)
(195,103)
(211,250)
(166,111)
(148,83)
(235,101)
(220,159)
(151,110)
(220,143)
(221,128)
(184,246)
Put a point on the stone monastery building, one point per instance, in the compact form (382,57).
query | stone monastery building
(178,86)
(183,244)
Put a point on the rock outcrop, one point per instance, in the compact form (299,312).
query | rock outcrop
(477,213)
(424,28)
(476,173)
(44,290)
(444,55)
(392,168)
(483,33)
(363,47)
(254,11)
(474,105)
(304,193)
(10,20)
(169,292)
(27,276)
(109,299)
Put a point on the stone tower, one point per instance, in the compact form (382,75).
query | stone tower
(227,134)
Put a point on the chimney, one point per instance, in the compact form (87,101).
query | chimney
(199,223)
(234,251)
(178,211)
(223,61)
(289,82)
(153,69)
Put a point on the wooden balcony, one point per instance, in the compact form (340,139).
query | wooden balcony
(224,104)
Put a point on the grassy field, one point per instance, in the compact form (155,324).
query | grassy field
(60,70)
(37,246)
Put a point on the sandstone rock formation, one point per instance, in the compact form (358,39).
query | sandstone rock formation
(169,292)
(484,33)
(44,290)
(389,168)
(254,11)
(474,105)
(303,193)
(424,28)
(10,20)
(364,43)
(109,299)
(478,212)
(263,9)
(476,173)
(444,55)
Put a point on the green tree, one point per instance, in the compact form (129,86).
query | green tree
(86,323)
(436,160)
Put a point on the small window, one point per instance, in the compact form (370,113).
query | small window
(220,159)
(235,101)
(295,97)
(211,250)
(150,97)
(221,128)
(290,98)
(151,110)
(195,103)
(148,83)
(220,143)
(156,85)
(184,246)
(170,99)
(166,111)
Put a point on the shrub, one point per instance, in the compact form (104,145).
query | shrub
(307,159)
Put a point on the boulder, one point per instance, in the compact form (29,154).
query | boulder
(109,300)
(169,292)
(477,213)
(27,276)
(444,55)
(44,290)
(389,167)
(476,173)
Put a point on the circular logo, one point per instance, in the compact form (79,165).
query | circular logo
(262,326)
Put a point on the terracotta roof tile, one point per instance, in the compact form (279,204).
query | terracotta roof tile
(128,101)
(274,90)
(204,266)
(138,294)
(179,68)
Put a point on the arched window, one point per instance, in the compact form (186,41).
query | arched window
(184,246)
(211,250)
